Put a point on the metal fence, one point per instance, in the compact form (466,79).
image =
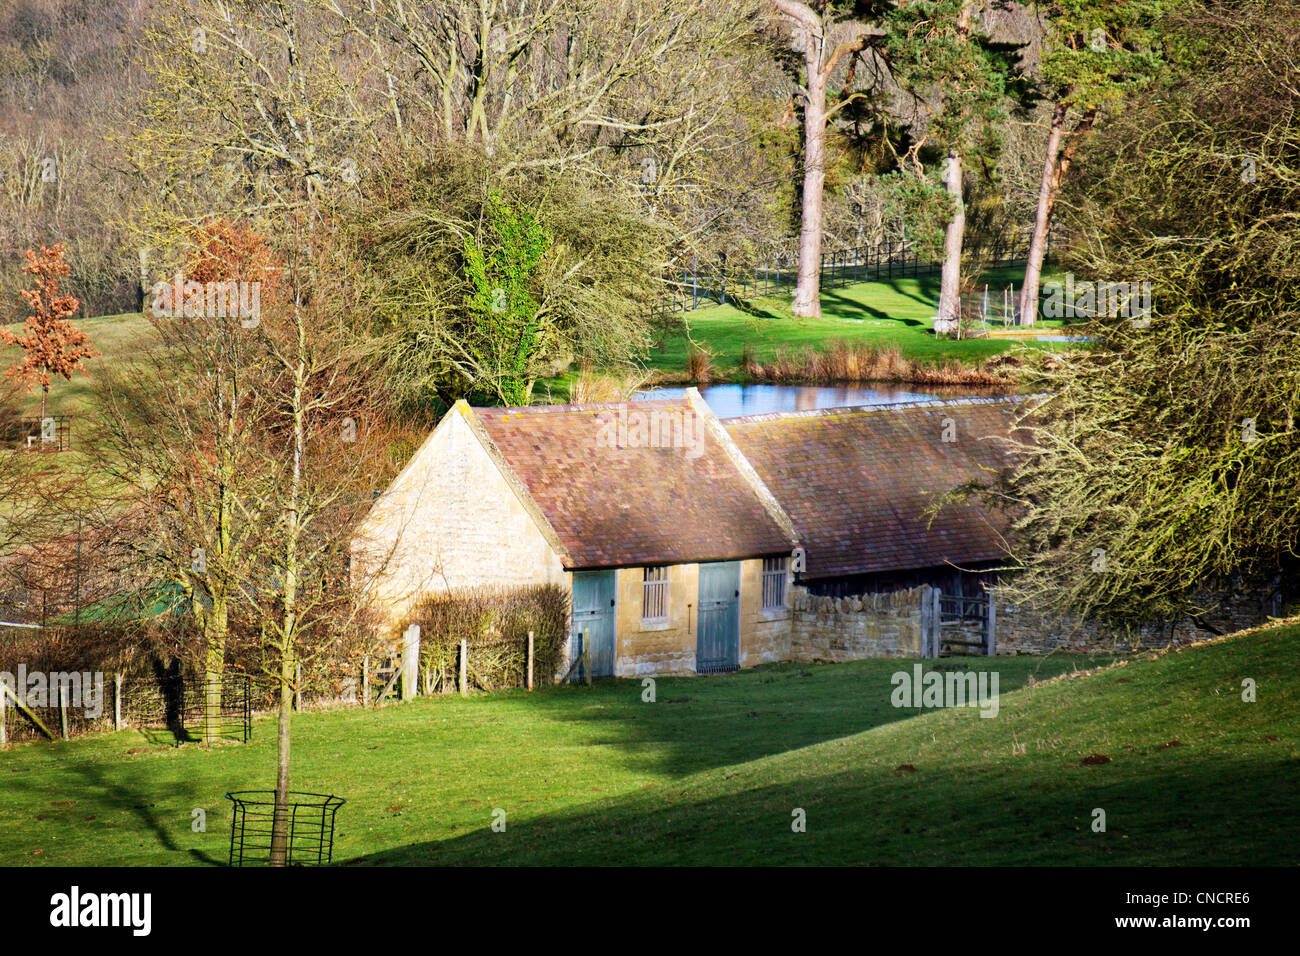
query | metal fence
(180,707)
(64,704)
(51,433)
(691,289)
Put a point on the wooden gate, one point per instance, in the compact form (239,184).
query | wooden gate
(717,648)
(593,622)
(967,625)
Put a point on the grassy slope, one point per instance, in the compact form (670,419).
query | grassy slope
(897,312)
(117,338)
(711,772)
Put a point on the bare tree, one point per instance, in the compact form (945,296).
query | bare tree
(179,447)
(325,446)
(824,42)
(262,108)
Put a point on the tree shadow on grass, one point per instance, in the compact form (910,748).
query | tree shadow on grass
(700,723)
(102,795)
(927,294)
(755,308)
(846,308)
(1161,810)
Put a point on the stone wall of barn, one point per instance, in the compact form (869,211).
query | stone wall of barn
(892,625)
(661,647)
(764,635)
(668,647)
(449,521)
(864,625)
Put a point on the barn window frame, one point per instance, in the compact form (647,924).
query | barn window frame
(776,575)
(655,594)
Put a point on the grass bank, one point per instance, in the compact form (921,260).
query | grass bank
(712,771)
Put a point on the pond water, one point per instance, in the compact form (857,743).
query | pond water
(734,401)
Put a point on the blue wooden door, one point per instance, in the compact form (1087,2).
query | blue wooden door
(593,621)
(717,646)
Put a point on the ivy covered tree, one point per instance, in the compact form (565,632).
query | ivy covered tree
(483,280)
(502,270)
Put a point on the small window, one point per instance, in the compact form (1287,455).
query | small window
(774,575)
(654,595)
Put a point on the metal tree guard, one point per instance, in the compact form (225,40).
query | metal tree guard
(309,827)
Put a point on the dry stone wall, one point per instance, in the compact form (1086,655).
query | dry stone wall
(848,628)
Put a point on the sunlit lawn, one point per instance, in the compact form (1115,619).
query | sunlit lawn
(713,769)
(892,312)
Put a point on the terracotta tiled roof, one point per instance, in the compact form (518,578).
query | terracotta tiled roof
(857,481)
(636,483)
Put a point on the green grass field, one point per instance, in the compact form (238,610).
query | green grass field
(711,772)
(118,338)
(895,312)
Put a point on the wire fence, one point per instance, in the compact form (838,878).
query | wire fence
(51,433)
(993,306)
(62,704)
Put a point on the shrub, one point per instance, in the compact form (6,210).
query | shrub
(844,361)
(699,366)
(495,623)
(614,386)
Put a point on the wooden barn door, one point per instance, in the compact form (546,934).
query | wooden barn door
(593,616)
(717,647)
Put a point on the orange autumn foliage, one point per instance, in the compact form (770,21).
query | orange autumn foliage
(223,250)
(51,344)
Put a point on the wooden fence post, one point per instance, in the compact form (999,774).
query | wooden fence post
(365,681)
(586,656)
(63,709)
(117,700)
(4,729)
(530,660)
(926,624)
(297,686)
(410,661)
(991,646)
(464,654)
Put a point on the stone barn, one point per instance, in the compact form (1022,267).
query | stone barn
(681,538)
(674,553)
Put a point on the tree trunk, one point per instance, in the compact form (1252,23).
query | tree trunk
(807,296)
(280,819)
(1056,165)
(954,235)
(1046,199)
(214,663)
(290,622)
